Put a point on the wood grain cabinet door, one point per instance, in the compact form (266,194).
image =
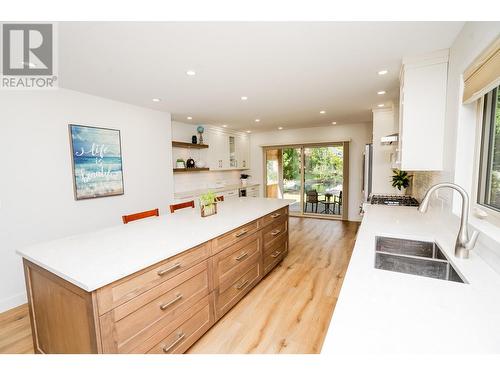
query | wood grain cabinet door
(275,232)
(236,270)
(125,289)
(234,236)
(131,323)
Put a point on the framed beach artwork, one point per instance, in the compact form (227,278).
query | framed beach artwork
(97,161)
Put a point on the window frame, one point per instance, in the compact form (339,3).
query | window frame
(482,160)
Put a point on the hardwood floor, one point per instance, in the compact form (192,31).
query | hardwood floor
(288,312)
(15,331)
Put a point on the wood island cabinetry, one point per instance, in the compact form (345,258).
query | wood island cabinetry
(164,308)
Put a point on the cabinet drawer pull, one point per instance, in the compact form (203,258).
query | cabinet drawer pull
(180,337)
(244,231)
(169,269)
(241,256)
(275,232)
(275,254)
(242,285)
(168,304)
(274,216)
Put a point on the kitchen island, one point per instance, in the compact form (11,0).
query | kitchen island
(151,286)
(386,312)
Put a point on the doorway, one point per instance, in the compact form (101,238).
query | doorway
(314,176)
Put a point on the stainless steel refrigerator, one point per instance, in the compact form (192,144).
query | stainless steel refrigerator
(367,171)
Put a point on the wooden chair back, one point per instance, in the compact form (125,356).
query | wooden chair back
(140,215)
(178,206)
(220,198)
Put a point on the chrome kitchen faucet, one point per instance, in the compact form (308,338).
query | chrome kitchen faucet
(463,243)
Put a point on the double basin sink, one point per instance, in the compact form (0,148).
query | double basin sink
(414,257)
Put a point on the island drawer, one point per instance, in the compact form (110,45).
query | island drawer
(123,290)
(182,332)
(221,242)
(227,264)
(228,295)
(132,322)
(274,254)
(273,233)
(274,216)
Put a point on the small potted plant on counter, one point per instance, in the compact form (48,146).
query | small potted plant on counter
(208,204)
(400,180)
(180,163)
(243,178)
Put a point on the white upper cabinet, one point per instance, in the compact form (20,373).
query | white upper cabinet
(422,112)
(218,151)
(243,151)
(228,150)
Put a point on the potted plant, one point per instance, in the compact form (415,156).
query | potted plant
(180,163)
(243,178)
(400,180)
(208,204)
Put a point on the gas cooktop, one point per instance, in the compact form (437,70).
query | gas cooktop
(394,200)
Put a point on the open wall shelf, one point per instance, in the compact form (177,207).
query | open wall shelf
(183,170)
(187,145)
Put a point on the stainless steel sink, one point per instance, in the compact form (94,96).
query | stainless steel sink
(414,257)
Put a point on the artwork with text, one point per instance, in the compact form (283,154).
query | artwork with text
(97,162)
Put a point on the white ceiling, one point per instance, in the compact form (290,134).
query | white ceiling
(288,71)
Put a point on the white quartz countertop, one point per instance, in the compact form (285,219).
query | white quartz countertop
(385,312)
(193,193)
(93,260)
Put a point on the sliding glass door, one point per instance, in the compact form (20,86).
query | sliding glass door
(323,174)
(311,175)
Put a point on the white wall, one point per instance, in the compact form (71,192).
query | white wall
(36,188)
(358,134)
(383,125)
(198,180)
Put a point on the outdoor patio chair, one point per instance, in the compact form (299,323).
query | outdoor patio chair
(312,198)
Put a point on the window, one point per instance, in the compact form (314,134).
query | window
(489,168)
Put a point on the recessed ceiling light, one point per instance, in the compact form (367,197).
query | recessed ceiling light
(382,72)
(322,112)
(257,120)
(249,131)
(189,118)
(224,126)
(244,98)
(382,92)
(380,105)
(280,128)
(191,73)
(334,122)
(156,100)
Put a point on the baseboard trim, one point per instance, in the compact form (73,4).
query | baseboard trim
(13,301)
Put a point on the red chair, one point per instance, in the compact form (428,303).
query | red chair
(220,199)
(140,215)
(178,206)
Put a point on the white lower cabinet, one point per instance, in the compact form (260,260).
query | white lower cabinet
(229,194)
(253,191)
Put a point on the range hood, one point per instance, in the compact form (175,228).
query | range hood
(389,139)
